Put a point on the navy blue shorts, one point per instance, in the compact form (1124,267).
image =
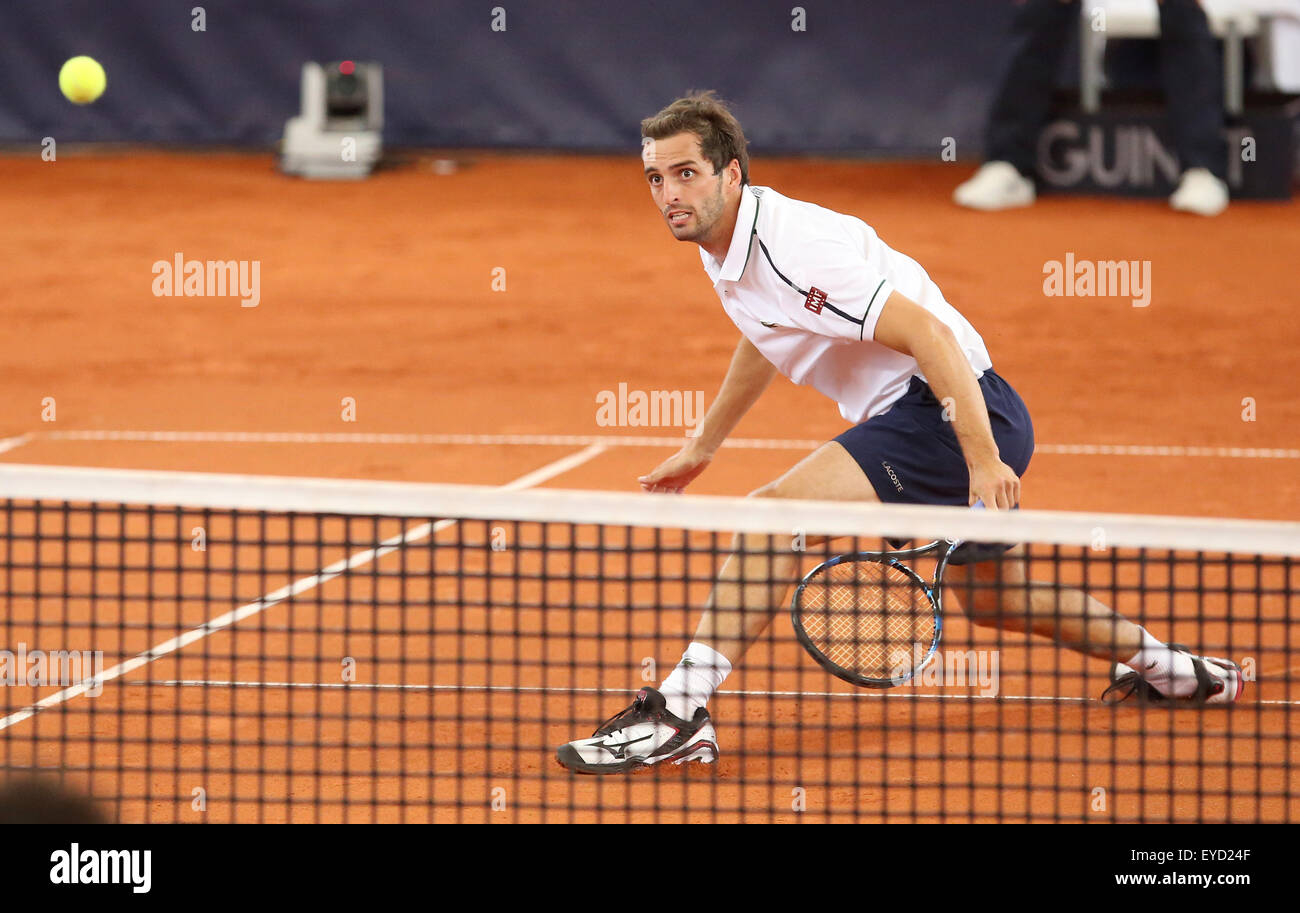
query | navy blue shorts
(911,454)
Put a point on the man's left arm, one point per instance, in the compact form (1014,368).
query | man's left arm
(906,327)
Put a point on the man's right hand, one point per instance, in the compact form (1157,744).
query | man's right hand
(676,472)
(747,377)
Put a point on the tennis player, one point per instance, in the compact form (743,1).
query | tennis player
(818,297)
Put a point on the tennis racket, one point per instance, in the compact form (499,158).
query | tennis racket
(869,618)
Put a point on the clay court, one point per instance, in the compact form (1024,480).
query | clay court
(473,317)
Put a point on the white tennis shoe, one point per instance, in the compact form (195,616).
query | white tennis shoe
(1200,192)
(997,185)
(644,734)
(1218,681)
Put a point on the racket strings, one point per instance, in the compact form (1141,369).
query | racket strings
(869,618)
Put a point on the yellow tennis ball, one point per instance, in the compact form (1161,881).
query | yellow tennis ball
(82,80)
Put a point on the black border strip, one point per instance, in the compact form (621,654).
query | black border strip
(753,231)
(868,310)
(832,308)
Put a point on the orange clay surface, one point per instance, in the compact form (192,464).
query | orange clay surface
(383,291)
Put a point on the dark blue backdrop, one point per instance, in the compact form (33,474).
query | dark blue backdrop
(875,76)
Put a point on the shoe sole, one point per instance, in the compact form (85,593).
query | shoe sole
(1198,211)
(986,205)
(1236,678)
(704,752)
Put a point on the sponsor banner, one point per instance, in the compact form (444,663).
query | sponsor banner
(1129,151)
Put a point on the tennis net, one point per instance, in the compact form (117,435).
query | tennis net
(193,647)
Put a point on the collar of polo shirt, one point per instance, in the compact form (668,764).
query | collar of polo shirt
(741,239)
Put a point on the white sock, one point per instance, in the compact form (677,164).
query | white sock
(691,684)
(1169,671)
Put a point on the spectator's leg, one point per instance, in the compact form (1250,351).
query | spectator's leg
(1040,31)
(1193,83)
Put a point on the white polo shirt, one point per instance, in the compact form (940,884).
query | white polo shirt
(806,286)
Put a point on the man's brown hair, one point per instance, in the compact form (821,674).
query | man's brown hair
(709,118)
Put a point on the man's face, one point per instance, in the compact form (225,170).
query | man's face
(684,187)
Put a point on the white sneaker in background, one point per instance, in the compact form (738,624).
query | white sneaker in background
(1200,192)
(997,185)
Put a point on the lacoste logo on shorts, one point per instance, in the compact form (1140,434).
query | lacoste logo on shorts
(816,298)
(892,477)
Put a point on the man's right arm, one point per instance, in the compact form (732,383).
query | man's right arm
(747,377)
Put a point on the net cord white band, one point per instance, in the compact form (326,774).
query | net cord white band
(692,512)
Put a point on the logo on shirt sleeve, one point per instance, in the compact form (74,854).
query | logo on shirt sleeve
(815,300)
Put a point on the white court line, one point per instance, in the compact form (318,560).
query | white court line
(361,437)
(532,689)
(609,440)
(13,443)
(275,597)
(1257,453)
